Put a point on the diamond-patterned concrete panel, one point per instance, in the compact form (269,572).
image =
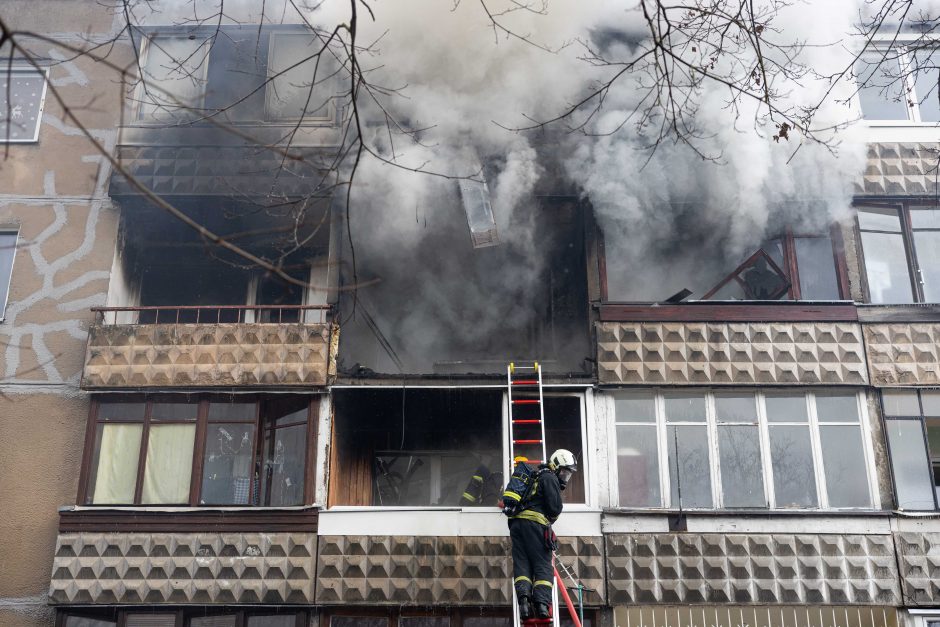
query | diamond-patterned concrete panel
(173,568)
(899,169)
(751,569)
(903,354)
(919,559)
(682,353)
(437,570)
(181,355)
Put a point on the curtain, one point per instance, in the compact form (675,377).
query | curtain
(169,464)
(117,464)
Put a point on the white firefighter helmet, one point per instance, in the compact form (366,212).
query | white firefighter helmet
(563,458)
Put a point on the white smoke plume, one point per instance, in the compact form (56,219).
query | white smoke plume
(672,220)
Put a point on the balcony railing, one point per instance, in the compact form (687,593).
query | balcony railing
(213,314)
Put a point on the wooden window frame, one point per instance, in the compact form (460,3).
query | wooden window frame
(201,423)
(790,267)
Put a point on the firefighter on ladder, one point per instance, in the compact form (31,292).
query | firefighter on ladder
(530,529)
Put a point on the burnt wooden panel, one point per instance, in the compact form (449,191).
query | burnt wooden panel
(189,521)
(712,312)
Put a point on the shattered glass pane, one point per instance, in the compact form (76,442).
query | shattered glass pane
(21,100)
(758,278)
(476,202)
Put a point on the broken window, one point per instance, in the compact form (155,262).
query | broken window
(22,96)
(797,267)
(731,449)
(425,447)
(174,276)
(179,450)
(416,447)
(173,77)
(475,196)
(304,77)
(7,253)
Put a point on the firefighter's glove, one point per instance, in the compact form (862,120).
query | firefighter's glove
(551,540)
(510,509)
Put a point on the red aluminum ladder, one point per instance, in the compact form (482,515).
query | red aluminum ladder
(527,439)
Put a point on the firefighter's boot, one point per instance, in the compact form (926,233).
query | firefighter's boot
(542,610)
(525,609)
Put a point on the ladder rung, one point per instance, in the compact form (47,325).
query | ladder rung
(526,441)
(525,382)
(527,421)
(525,401)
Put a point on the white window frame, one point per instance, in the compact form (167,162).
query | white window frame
(329,115)
(28,69)
(911,129)
(9,279)
(813,424)
(140,95)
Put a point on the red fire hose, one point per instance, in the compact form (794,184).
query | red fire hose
(564,594)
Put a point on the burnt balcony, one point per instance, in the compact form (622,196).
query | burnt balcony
(268,346)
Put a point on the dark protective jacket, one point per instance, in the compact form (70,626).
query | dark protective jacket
(543,504)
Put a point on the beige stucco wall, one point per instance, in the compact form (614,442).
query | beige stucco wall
(55,194)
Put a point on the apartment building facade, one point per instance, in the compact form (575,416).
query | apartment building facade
(221,445)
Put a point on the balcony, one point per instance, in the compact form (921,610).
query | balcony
(278,346)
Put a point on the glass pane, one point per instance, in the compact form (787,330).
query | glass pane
(735,407)
(930,399)
(817,268)
(786,407)
(7,253)
(638,466)
(358,621)
(274,620)
(304,90)
(213,621)
(889,280)
(227,471)
(229,412)
(79,621)
(685,407)
(912,476)
(880,88)
(563,430)
(117,450)
(168,469)
(121,411)
(925,217)
(424,621)
(791,456)
(900,403)
(174,411)
(173,73)
(690,477)
(25,89)
(742,473)
(844,463)
(927,247)
(879,219)
(638,407)
(836,407)
(925,84)
(282,464)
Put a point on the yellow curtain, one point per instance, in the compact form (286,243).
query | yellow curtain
(117,464)
(169,464)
